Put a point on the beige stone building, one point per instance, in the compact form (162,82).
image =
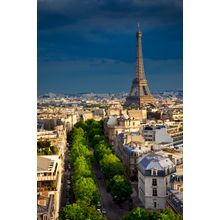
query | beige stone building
(87,115)
(49,181)
(45,206)
(138,114)
(115,125)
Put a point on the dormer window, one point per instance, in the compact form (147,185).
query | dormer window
(154,172)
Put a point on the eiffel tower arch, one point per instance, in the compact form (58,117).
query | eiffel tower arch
(140,94)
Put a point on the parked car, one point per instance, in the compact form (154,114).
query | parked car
(99,205)
(103,211)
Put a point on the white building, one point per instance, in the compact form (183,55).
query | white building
(154,175)
(157,134)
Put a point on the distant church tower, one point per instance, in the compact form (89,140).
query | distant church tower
(140,94)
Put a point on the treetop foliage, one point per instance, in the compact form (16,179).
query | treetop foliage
(77,211)
(143,214)
(119,187)
(83,184)
(84,189)
(82,168)
(111,165)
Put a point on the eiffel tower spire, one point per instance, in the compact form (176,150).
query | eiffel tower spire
(140,93)
(139,57)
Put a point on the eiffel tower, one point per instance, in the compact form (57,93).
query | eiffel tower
(140,93)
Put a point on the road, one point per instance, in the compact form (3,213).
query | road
(67,194)
(113,210)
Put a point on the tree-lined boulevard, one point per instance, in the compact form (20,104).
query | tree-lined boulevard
(99,187)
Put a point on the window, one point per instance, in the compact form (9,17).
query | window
(154,191)
(45,217)
(154,172)
(155,205)
(154,182)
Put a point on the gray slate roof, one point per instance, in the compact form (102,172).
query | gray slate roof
(154,161)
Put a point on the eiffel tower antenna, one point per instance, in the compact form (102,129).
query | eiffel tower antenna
(138,25)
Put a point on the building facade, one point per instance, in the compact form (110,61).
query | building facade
(49,179)
(154,180)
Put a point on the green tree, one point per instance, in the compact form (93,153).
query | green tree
(73,212)
(111,165)
(136,214)
(44,148)
(94,131)
(97,138)
(94,128)
(168,214)
(77,211)
(101,150)
(77,150)
(119,187)
(82,168)
(81,124)
(91,123)
(79,135)
(142,214)
(85,190)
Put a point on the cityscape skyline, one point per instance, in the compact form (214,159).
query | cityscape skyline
(78,53)
(116,155)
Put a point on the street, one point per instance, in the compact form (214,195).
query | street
(113,211)
(67,194)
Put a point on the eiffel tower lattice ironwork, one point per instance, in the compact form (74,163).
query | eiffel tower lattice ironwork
(140,93)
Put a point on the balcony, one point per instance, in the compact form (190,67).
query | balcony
(46,188)
(46,178)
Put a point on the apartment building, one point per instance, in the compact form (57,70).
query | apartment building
(49,179)
(154,180)
(115,125)
(45,206)
(156,133)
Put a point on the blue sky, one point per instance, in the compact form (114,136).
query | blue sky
(90,45)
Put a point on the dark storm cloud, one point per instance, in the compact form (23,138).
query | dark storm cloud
(85,15)
(84,41)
